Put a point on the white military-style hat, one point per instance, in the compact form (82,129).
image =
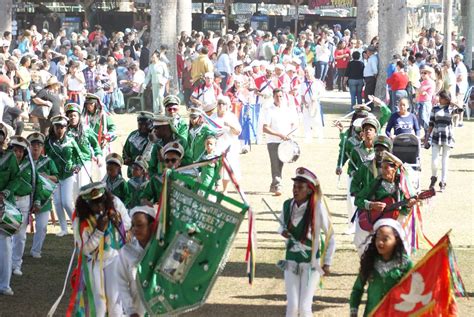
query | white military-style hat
(304,174)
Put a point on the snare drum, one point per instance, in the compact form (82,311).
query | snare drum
(10,219)
(288,151)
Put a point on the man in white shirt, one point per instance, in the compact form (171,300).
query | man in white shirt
(277,124)
(5,100)
(462,85)
(370,72)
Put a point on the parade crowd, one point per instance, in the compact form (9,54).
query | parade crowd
(59,94)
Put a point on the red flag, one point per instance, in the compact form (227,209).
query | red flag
(425,290)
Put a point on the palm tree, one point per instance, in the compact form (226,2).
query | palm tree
(163,32)
(367,20)
(392,36)
(6,14)
(185,16)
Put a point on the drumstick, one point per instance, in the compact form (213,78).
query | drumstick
(291,132)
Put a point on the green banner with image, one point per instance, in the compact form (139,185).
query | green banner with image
(178,271)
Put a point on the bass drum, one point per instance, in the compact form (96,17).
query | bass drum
(288,151)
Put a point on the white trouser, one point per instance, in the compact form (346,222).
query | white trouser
(265,104)
(82,178)
(300,290)
(5,261)
(360,238)
(158,93)
(110,305)
(41,226)
(436,149)
(19,239)
(308,124)
(351,208)
(63,200)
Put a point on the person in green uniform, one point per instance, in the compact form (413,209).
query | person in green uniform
(96,118)
(302,219)
(27,197)
(9,171)
(371,169)
(197,135)
(137,142)
(47,178)
(209,174)
(163,133)
(172,154)
(137,183)
(373,194)
(178,124)
(86,139)
(364,152)
(114,181)
(65,153)
(382,266)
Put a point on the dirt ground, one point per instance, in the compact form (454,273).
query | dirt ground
(43,279)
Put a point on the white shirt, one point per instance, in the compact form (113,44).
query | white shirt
(126,266)
(461,78)
(5,101)
(279,119)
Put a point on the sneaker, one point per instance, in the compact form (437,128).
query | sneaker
(61,233)
(433,181)
(7,292)
(442,186)
(132,109)
(17,272)
(272,189)
(35,255)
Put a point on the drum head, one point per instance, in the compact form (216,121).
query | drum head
(288,151)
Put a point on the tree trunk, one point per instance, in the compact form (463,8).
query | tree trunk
(367,20)
(448,17)
(163,32)
(469,32)
(6,14)
(185,16)
(392,34)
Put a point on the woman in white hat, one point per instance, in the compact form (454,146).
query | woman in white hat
(302,219)
(129,257)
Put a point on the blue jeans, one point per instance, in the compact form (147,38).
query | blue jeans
(321,70)
(423,113)
(355,89)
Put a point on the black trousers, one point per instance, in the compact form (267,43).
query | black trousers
(369,87)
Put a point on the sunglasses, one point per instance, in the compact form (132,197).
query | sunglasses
(172,160)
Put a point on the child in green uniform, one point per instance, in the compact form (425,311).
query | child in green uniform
(65,153)
(27,197)
(96,118)
(137,183)
(114,181)
(47,177)
(88,145)
(373,195)
(172,154)
(197,135)
(209,174)
(8,172)
(382,266)
(178,125)
(301,222)
(371,169)
(137,142)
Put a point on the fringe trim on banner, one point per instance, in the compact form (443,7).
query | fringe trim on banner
(456,280)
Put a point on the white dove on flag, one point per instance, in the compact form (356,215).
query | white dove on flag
(415,295)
